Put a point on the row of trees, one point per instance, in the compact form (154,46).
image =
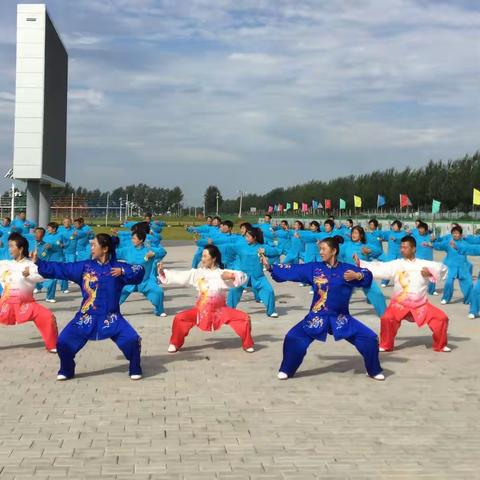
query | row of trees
(450,182)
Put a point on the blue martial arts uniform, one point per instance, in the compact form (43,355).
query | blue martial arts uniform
(55,254)
(84,235)
(328,313)
(458,268)
(149,286)
(249,263)
(469,248)
(99,316)
(373,293)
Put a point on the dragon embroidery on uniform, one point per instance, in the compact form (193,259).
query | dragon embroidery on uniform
(321,283)
(404,280)
(90,282)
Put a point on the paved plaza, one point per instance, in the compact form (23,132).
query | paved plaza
(212,411)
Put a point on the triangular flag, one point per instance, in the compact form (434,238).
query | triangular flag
(380,201)
(295,205)
(405,201)
(342,204)
(357,201)
(288,207)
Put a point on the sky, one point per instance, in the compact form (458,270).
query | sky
(256,94)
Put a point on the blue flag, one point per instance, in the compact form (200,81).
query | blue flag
(314,204)
(380,201)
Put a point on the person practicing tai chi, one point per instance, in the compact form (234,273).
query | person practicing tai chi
(101,280)
(333,283)
(210,311)
(18,278)
(411,277)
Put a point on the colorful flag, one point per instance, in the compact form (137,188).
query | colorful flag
(476,196)
(405,201)
(304,207)
(270,209)
(342,204)
(314,204)
(280,207)
(380,201)
(328,203)
(436,206)
(288,207)
(357,201)
(295,205)
(320,205)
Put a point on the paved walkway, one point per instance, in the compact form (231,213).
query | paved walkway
(213,411)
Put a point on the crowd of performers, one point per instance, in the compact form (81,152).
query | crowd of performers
(332,259)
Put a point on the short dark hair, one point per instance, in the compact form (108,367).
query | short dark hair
(41,229)
(285,222)
(316,224)
(140,234)
(20,242)
(300,224)
(227,223)
(374,221)
(256,233)
(330,222)
(214,252)
(268,215)
(105,240)
(398,223)
(409,239)
(53,225)
(458,229)
(79,220)
(423,225)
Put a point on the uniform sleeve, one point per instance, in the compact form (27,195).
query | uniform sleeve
(366,279)
(380,270)
(175,277)
(160,252)
(292,273)
(468,249)
(473,239)
(132,274)
(376,251)
(34,276)
(441,245)
(62,271)
(240,278)
(437,270)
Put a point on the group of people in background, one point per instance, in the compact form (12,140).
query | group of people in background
(332,259)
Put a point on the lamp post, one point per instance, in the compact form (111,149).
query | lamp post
(242,193)
(217,197)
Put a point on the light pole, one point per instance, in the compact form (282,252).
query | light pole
(241,201)
(120,210)
(217,197)
(106,210)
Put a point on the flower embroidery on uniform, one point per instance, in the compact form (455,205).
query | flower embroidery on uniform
(315,322)
(284,265)
(112,318)
(342,320)
(136,268)
(84,320)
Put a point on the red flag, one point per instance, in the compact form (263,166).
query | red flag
(404,201)
(304,207)
(280,207)
(270,209)
(328,203)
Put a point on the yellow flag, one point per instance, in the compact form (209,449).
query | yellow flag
(357,201)
(295,205)
(476,196)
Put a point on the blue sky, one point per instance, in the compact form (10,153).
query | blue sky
(256,94)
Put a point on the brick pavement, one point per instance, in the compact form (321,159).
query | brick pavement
(212,411)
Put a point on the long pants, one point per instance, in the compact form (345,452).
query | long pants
(464,277)
(298,340)
(262,291)
(237,320)
(376,298)
(197,258)
(43,318)
(69,257)
(435,318)
(72,339)
(475,298)
(151,290)
(432,287)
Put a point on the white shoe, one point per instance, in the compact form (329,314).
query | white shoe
(435,293)
(36,290)
(171,348)
(380,349)
(53,350)
(249,349)
(282,376)
(471,316)
(61,378)
(135,377)
(443,302)
(274,315)
(311,292)
(50,300)
(66,291)
(446,349)
(163,314)
(380,377)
